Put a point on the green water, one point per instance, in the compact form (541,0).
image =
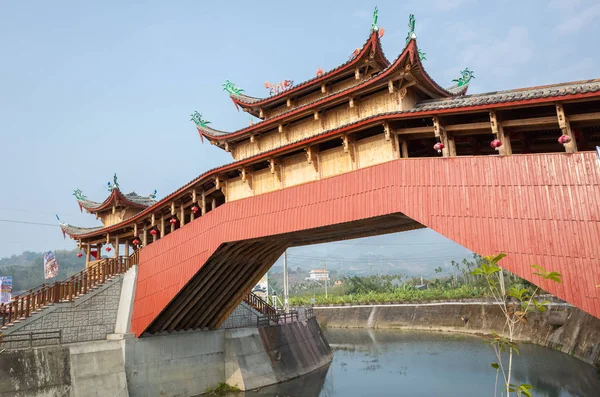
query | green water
(393,363)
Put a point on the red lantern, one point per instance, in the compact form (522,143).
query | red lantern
(173,221)
(79,254)
(153,232)
(135,241)
(108,249)
(438,146)
(195,209)
(496,143)
(564,139)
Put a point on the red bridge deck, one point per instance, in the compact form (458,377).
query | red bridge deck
(540,209)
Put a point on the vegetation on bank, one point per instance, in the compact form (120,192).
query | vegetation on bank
(399,296)
(221,389)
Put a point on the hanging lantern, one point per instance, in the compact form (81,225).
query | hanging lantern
(195,209)
(496,143)
(438,146)
(108,249)
(79,254)
(135,241)
(564,139)
(173,221)
(153,232)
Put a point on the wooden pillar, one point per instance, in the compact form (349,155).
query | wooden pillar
(203,204)
(498,130)
(144,236)
(153,223)
(565,127)
(98,251)
(182,220)
(116,246)
(126,253)
(88,249)
(213,204)
(440,133)
(451,146)
(404,145)
(162,226)
(194,200)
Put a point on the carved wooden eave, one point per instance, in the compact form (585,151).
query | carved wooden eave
(312,157)
(275,168)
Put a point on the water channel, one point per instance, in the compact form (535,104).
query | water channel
(400,363)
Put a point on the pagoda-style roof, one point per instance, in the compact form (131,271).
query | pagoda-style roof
(408,62)
(371,49)
(76,230)
(116,198)
(540,95)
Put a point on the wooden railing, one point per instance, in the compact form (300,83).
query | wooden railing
(257,303)
(23,306)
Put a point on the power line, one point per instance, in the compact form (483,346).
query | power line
(29,223)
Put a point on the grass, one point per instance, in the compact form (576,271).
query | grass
(399,295)
(222,389)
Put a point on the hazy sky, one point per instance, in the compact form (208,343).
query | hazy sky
(88,89)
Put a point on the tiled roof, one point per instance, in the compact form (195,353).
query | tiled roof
(408,51)
(521,94)
(132,197)
(251,100)
(76,230)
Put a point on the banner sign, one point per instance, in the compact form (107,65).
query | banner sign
(5,289)
(50,266)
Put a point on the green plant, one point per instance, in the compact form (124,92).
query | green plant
(515,302)
(221,389)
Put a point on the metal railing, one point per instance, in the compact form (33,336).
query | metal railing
(23,306)
(28,340)
(281,317)
(259,304)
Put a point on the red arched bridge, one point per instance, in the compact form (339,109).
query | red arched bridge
(536,208)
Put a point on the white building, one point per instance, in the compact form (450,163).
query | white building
(319,275)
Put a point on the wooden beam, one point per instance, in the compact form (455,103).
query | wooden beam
(565,126)
(584,117)
(467,127)
(414,130)
(535,121)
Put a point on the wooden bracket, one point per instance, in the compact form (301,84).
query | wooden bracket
(387,131)
(311,157)
(351,103)
(357,73)
(261,113)
(218,183)
(275,169)
(227,148)
(391,86)
(348,142)
(323,88)
(107,238)
(246,177)
(280,128)
(288,102)
(316,115)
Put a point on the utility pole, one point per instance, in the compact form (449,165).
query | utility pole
(286,304)
(326,278)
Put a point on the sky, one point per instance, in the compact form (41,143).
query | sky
(88,89)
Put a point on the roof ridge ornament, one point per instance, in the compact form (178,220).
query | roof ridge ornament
(197,118)
(152,195)
(465,79)
(231,88)
(114,185)
(78,193)
(374,27)
(411,26)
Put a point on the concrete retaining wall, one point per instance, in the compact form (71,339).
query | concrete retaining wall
(91,369)
(563,328)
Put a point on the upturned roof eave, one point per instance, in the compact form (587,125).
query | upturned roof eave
(115,198)
(410,51)
(373,43)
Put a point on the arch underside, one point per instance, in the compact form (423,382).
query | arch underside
(540,209)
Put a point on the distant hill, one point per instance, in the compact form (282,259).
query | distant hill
(27,269)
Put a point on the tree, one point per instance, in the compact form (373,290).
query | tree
(515,303)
